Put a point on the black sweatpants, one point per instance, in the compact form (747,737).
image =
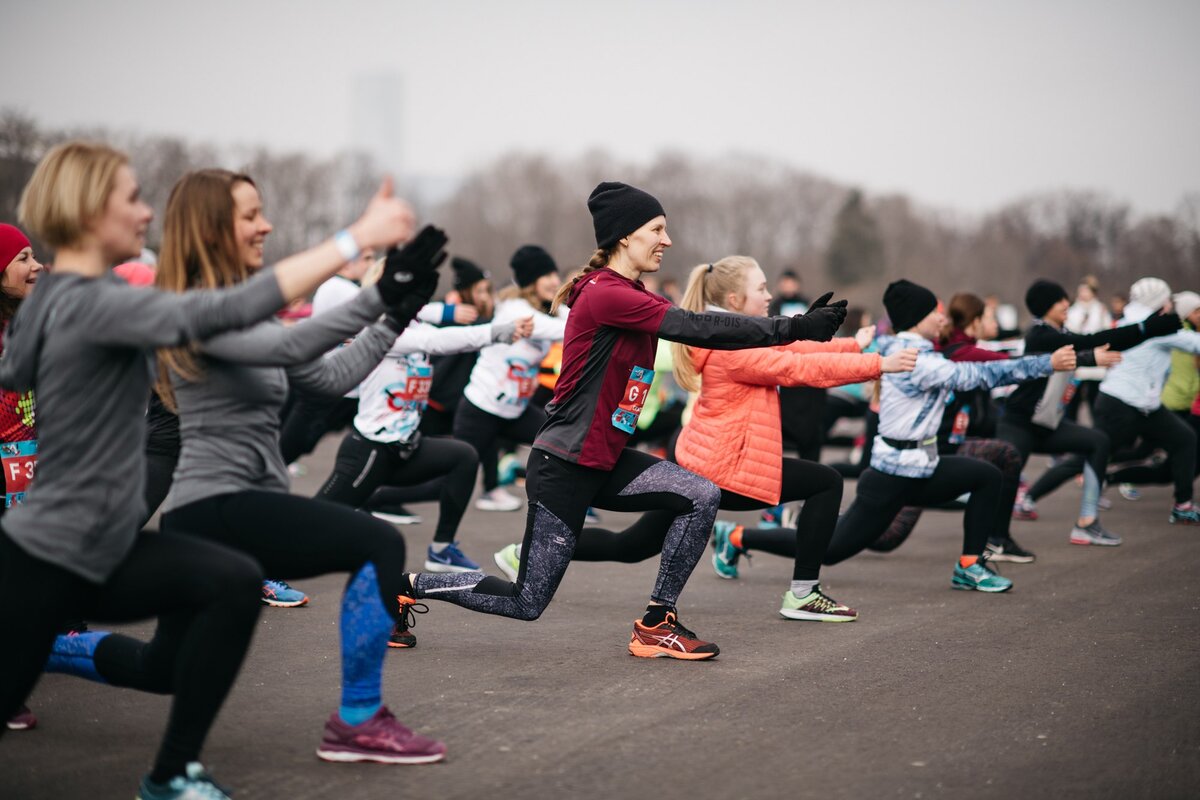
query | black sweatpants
(207,595)
(364,465)
(881,496)
(816,484)
(559,495)
(480,429)
(1160,428)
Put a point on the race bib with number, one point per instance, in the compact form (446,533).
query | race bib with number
(19,460)
(626,416)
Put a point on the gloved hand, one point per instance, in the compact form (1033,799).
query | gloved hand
(406,264)
(821,321)
(502,332)
(418,292)
(1161,324)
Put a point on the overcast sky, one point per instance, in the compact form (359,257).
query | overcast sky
(962,105)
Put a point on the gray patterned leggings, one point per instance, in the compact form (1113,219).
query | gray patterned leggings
(559,495)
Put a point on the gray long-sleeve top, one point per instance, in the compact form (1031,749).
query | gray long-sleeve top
(85,345)
(229,418)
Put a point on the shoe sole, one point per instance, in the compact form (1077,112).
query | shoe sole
(346,756)
(722,575)
(791,613)
(396,519)
(20,726)
(402,645)
(1174,521)
(433,566)
(652,651)
(972,587)
(1011,559)
(284,604)
(1094,542)
(490,507)
(1026,517)
(505,567)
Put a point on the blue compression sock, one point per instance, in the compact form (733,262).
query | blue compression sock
(74,654)
(365,630)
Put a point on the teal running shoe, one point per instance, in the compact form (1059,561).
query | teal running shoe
(771,518)
(979,578)
(1184,516)
(279,595)
(725,555)
(195,784)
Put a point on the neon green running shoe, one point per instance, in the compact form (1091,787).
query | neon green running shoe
(816,605)
(508,559)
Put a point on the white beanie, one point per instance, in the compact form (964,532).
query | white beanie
(1151,293)
(1186,303)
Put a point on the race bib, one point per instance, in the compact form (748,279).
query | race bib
(413,394)
(19,460)
(522,378)
(630,407)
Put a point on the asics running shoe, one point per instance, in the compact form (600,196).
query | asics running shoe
(23,720)
(1094,534)
(381,738)
(771,517)
(194,784)
(1008,550)
(451,559)
(725,555)
(669,639)
(280,595)
(508,559)
(979,578)
(816,605)
(401,637)
(1184,516)
(497,500)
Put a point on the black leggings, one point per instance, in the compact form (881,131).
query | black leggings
(160,472)
(363,466)
(818,485)
(881,496)
(208,596)
(310,418)
(1068,437)
(559,495)
(1160,428)
(480,429)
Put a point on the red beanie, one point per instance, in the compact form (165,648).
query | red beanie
(135,273)
(12,242)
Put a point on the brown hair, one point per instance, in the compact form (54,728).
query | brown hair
(708,284)
(199,251)
(69,189)
(599,260)
(527,293)
(964,309)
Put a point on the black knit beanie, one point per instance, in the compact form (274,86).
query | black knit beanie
(1042,295)
(530,263)
(618,210)
(466,273)
(907,304)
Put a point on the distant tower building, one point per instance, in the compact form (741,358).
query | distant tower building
(376,113)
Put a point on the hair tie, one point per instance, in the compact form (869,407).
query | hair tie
(709,270)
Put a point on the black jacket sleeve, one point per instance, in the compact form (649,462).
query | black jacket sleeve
(721,331)
(1046,339)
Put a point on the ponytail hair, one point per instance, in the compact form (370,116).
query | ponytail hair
(964,309)
(599,260)
(708,285)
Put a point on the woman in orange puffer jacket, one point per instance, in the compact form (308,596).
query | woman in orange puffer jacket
(734,438)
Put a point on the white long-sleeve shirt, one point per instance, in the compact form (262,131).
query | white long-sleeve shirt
(1139,379)
(393,397)
(505,376)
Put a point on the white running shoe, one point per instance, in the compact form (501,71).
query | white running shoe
(498,500)
(399,515)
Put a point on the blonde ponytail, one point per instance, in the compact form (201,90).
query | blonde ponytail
(708,285)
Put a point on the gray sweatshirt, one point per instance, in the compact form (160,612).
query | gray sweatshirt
(229,418)
(85,346)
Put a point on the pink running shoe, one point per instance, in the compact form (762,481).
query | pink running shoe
(23,720)
(381,738)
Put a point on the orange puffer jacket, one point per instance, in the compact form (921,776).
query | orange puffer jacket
(734,436)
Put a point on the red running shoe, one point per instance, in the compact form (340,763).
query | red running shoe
(669,639)
(381,738)
(23,720)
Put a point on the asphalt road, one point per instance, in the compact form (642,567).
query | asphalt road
(1081,682)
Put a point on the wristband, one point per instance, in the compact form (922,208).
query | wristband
(346,245)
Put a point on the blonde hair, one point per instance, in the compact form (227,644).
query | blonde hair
(708,284)
(69,189)
(599,260)
(527,293)
(199,251)
(373,273)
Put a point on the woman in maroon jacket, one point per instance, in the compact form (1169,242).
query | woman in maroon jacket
(580,458)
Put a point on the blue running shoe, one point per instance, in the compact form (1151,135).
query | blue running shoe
(280,595)
(725,555)
(194,784)
(1184,516)
(771,517)
(978,578)
(450,559)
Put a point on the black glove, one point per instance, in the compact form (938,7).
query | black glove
(404,265)
(418,292)
(820,322)
(1161,325)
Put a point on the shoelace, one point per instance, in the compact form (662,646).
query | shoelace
(985,561)
(824,602)
(678,627)
(408,612)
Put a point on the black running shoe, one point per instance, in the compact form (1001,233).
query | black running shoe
(1008,550)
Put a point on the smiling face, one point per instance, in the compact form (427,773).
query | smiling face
(1057,315)
(644,247)
(931,326)
(250,227)
(120,230)
(754,298)
(21,274)
(547,286)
